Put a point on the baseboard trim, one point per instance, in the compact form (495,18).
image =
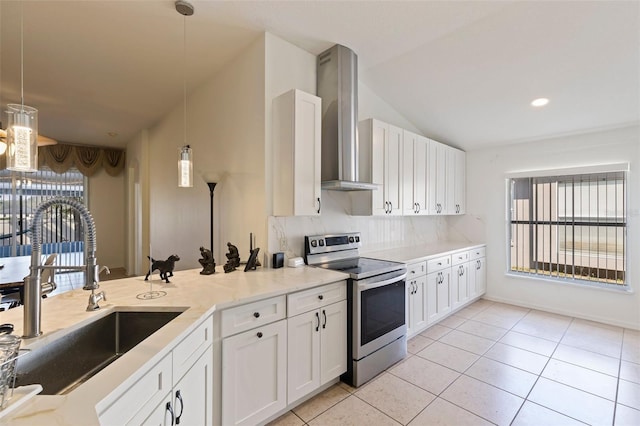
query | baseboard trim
(569,313)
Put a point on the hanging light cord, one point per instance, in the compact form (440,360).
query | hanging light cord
(184,73)
(22,54)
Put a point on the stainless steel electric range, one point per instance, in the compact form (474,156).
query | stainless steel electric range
(376,303)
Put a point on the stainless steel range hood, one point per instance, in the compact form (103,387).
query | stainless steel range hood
(338,88)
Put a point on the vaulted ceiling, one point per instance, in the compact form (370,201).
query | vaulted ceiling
(461,72)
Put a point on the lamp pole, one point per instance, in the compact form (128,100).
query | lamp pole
(212,186)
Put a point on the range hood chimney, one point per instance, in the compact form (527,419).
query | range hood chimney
(338,88)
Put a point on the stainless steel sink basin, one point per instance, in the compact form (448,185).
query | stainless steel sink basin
(69,361)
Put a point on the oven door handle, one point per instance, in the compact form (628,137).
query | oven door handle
(368,285)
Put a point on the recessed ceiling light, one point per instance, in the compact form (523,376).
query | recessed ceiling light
(539,102)
(112,134)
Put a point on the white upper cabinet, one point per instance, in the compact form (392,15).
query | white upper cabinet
(296,154)
(456,164)
(417,176)
(437,177)
(415,152)
(380,163)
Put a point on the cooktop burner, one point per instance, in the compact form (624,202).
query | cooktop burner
(362,266)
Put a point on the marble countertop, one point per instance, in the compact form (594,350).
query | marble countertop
(420,252)
(199,295)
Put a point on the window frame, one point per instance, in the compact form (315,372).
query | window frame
(14,195)
(547,173)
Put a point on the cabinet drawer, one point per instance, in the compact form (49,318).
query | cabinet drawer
(142,396)
(416,269)
(246,317)
(438,263)
(308,300)
(460,257)
(190,348)
(477,253)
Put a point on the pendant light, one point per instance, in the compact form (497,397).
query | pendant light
(185,154)
(22,125)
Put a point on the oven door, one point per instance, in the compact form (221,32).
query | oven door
(379,312)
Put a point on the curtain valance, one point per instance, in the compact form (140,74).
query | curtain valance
(87,159)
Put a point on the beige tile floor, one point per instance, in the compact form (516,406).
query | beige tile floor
(493,363)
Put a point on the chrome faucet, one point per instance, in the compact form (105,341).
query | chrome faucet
(33,289)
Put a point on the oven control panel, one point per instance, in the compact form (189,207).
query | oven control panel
(315,244)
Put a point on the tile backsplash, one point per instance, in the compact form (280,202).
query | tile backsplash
(286,234)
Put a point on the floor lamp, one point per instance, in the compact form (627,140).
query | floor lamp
(212,186)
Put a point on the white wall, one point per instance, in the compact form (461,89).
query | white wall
(137,204)
(486,221)
(107,206)
(225,122)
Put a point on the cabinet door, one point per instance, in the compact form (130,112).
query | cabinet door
(408,173)
(379,141)
(333,355)
(307,155)
(450,180)
(461,273)
(296,154)
(433,281)
(437,177)
(303,349)
(417,305)
(193,395)
(472,267)
(444,292)
(460,182)
(481,276)
(420,167)
(254,376)
(393,168)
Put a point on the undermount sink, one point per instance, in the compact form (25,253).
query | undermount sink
(67,362)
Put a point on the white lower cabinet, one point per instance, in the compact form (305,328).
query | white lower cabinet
(193,395)
(438,295)
(317,340)
(477,272)
(187,371)
(459,278)
(190,403)
(416,284)
(254,374)
(439,301)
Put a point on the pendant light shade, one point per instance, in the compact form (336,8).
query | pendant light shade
(22,138)
(185,167)
(22,125)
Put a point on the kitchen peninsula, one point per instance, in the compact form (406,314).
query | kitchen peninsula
(199,296)
(237,328)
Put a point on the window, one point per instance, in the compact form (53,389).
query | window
(569,227)
(21,193)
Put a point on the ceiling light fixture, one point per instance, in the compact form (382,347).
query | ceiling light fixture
(185,159)
(539,102)
(22,125)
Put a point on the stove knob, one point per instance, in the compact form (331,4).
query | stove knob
(321,243)
(314,243)
(351,239)
(357,239)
